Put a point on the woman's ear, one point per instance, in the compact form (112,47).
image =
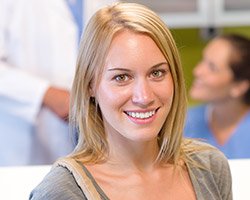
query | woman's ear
(91,89)
(240,88)
(92,94)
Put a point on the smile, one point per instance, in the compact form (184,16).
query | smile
(141,115)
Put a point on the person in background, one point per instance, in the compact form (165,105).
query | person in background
(222,83)
(38,49)
(128,103)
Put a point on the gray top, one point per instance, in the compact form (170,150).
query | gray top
(212,183)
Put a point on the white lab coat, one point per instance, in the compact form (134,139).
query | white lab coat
(38,48)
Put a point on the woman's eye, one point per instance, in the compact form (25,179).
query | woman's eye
(121,78)
(212,67)
(158,73)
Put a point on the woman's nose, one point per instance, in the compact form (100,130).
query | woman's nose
(143,94)
(198,70)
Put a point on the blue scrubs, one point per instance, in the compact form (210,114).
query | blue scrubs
(238,145)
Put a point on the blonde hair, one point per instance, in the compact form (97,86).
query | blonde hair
(85,114)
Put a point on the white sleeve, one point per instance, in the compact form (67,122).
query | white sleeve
(21,93)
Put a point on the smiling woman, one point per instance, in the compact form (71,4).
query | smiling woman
(128,104)
(222,82)
(140,90)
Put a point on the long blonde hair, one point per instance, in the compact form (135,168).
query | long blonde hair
(85,115)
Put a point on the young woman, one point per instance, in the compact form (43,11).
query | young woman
(222,81)
(128,103)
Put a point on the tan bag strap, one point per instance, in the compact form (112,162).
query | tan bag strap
(80,176)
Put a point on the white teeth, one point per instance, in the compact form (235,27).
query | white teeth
(141,115)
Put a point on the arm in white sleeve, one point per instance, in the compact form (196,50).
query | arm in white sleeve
(21,93)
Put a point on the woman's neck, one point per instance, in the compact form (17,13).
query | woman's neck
(133,155)
(225,117)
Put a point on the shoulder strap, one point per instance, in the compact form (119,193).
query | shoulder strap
(80,176)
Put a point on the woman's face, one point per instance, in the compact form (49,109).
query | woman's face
(213,79)
(135,91)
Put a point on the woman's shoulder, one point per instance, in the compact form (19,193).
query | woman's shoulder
(207,155)
(210,171)
(59,183)
(205,159)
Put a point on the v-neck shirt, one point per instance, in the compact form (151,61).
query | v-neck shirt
(236,147)
(212,182)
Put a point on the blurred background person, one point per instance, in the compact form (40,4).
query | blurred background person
(38,48)
(222,82)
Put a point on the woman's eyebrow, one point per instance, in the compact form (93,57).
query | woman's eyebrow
(118,69)
(128,70)
(159,64)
